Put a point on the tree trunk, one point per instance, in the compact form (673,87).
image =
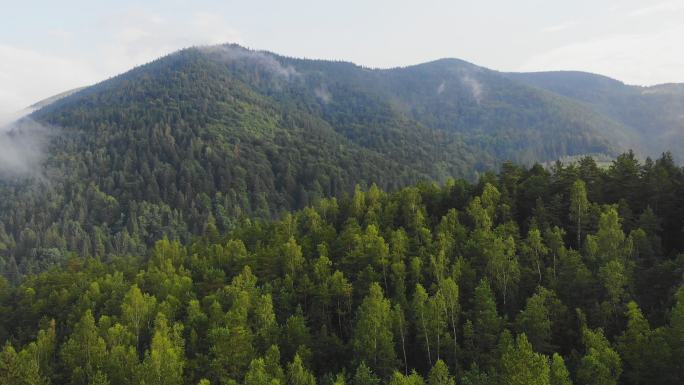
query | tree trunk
(579,226)
(427,339)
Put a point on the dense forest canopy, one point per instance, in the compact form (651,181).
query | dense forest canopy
(222,133)
(556,276)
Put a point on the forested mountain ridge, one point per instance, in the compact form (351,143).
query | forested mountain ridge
(655,112)
(526,277)
(213,134)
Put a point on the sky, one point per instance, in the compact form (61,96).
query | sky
(47,47)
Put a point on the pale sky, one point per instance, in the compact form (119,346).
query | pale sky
(47,47)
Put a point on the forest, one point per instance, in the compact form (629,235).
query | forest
(571,274)
(230,133)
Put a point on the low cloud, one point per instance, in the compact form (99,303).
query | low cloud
(265,60)
(28,76)
(658,8)
(323,94)
(23,145)
(476,88)
(560,27)
(441,87)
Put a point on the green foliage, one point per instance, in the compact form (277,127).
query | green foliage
(579,208)
(373,339)
(600,365)
(402,287)
(137,310)
(485,323)
(558,373)
(535,322)
(84,353)
(297,374)
(520,365)
(193,143)
(439,375)
(365,376)
(164,361)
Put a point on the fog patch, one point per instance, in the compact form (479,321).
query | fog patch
(475,86)
(265,60)
(441,87)
(23,143)
(323,94)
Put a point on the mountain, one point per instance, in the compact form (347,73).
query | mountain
(208,136)
(656,113)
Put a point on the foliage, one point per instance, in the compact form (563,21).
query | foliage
(402,287)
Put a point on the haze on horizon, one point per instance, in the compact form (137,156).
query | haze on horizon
(47,47)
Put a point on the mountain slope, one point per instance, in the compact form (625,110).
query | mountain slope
(206,136)
(654,113)
(432,281)
(500,118)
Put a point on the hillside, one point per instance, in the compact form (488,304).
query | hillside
(527,277)
(654,113)
(212,135)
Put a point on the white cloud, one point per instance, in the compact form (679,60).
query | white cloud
(475,87)
(27,76)
(642,58)
(22,145)
(441,87)
(137,36)
(667,6)
(120,42)
(560,27)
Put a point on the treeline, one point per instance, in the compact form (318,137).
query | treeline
(530,276)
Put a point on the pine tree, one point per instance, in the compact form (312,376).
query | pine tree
(534,321)
(297,374)
(558,374)
(439,375)
(520,365)
(365,376)
(10,369)
(258,375)
(601,365)
(412,379)
(486,322)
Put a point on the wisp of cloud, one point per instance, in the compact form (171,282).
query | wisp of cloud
(22,147)
(265,60)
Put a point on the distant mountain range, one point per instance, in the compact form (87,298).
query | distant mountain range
(655,114)
(210,134)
